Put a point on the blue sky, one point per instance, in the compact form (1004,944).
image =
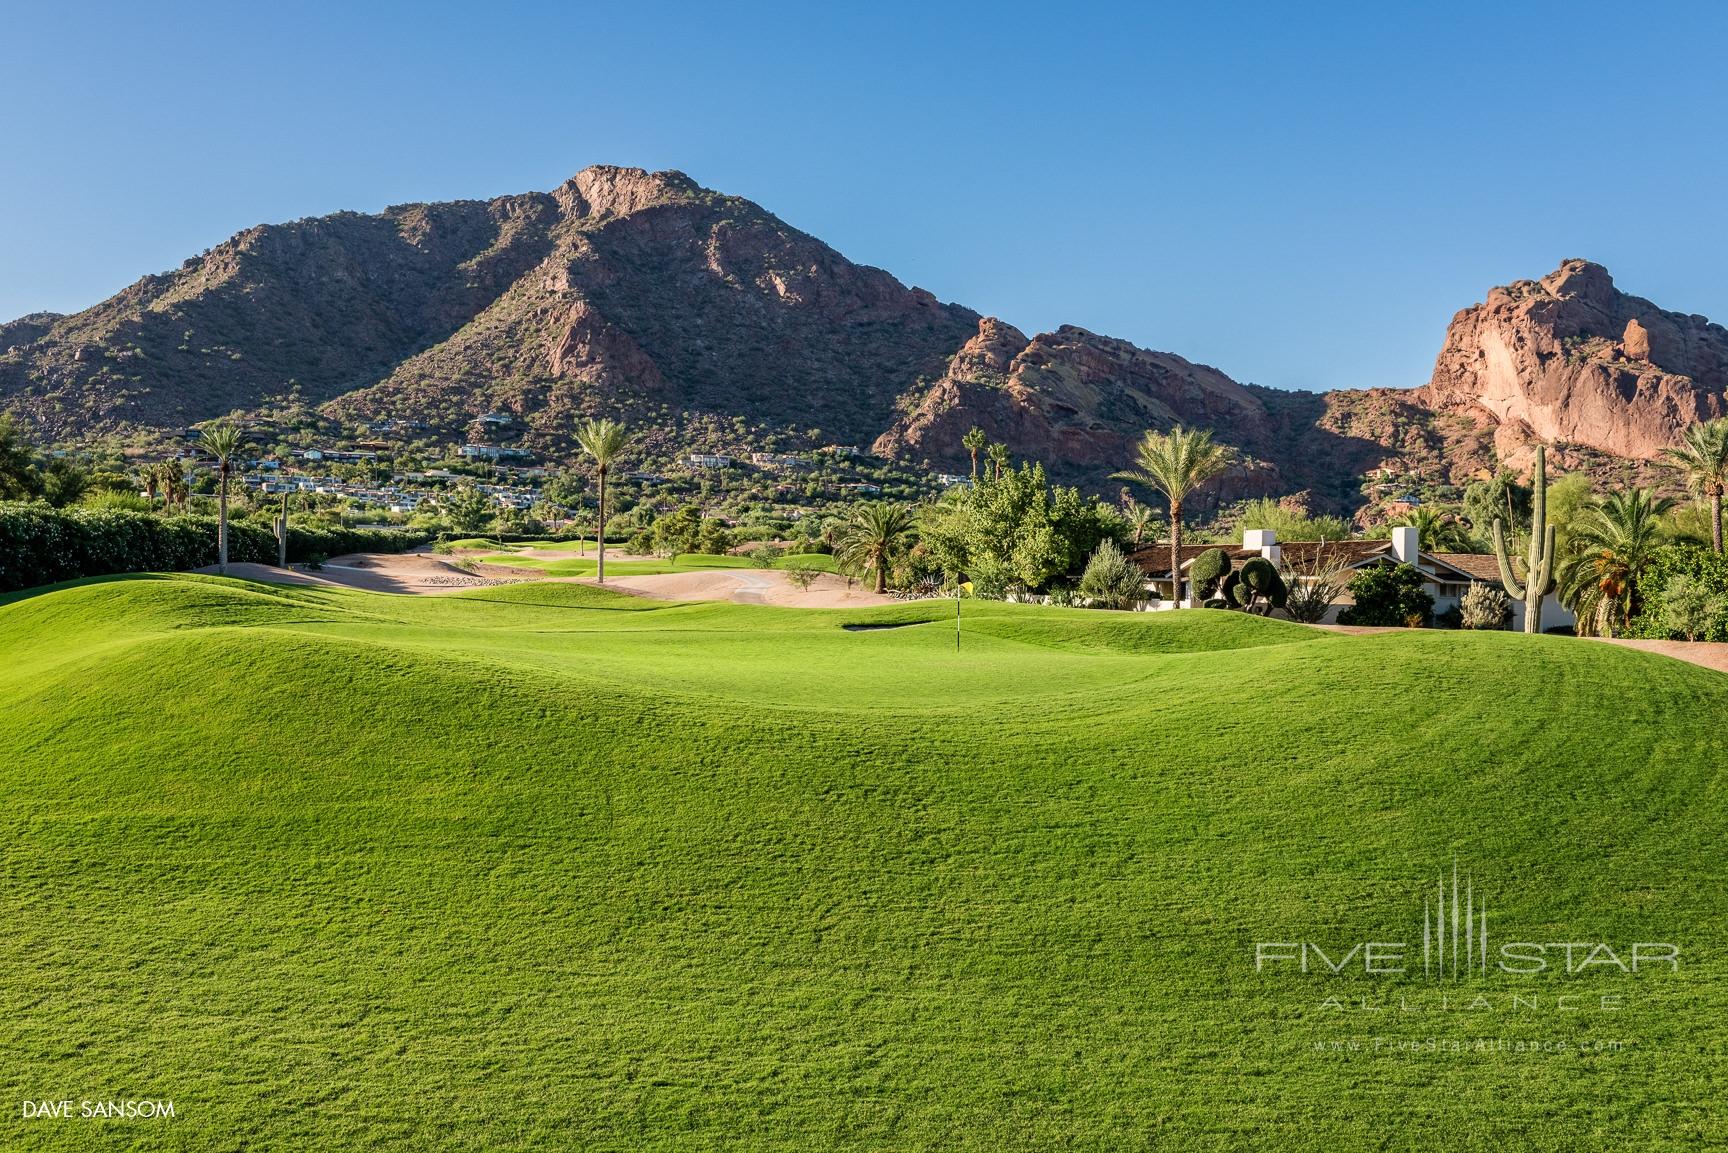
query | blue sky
(1301,195)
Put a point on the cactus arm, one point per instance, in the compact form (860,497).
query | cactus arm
(1506,578)
(1539,587)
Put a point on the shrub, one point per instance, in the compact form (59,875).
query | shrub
(1111,580)
(1388,596)
(1484,606)
(41,545)
(802,578)
(1704,569)
(1690,608)
(1207,570)
(1258,587)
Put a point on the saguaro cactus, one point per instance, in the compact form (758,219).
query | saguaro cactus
(1539,564)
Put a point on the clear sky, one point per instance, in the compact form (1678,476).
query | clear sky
(1300,194)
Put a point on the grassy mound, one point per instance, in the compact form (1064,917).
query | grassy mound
(538,866)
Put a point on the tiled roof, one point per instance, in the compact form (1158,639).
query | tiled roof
(1478,566)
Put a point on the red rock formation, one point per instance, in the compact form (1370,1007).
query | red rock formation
(1571,359)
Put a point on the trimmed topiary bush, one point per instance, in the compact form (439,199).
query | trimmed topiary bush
(1207,570)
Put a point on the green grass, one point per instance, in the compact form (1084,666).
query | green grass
(539,867)
(683,562)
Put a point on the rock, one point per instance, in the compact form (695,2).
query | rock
(1540,359)
(1636,341)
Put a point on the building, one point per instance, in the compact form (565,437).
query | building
(709,460)
(1447,576)
(493,452)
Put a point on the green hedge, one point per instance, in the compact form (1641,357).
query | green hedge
(41,545)
(1701,565)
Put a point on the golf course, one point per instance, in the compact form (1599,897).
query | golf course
(540,866)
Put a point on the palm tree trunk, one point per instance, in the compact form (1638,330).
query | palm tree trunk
(222,523)
(1716,520)
(600,529)
(1176,553)
(881,566)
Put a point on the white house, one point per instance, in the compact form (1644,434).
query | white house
(1446,575)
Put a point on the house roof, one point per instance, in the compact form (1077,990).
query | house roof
(1476,566)
(1301,554)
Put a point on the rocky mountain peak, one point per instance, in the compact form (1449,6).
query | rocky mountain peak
(604,190)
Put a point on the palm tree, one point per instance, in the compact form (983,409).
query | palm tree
(1139,518)
(871,537)
(1608,550)
(1176,463)
(1437,531)
(604,441)
(998,457)
(222,441)
(1703,456)
(975,440)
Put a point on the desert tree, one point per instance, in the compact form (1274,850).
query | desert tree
(222,441)
(1702,456)
(871,537)
(1175,464)
(974,440)
(604,441)
(1608,551)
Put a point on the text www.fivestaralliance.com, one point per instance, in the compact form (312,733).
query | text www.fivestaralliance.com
(1445,1046)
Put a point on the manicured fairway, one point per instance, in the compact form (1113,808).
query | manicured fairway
(539,867)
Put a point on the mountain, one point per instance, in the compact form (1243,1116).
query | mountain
(705,319)
(1571,359)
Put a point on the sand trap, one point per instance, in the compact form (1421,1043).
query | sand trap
(1709,654)
(414,574)
(748,586)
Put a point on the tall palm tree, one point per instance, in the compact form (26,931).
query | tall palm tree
(604,441)
(1437,531)
(1139,518)
(1703,456)
(975,440)
(1176,463)
(871,537)
(222,441)
(1608,550)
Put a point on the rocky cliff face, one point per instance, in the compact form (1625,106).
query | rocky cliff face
(646,295)
(1074,397)
(1572,359)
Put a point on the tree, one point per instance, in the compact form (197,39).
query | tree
(1690,608)
(1703,457)
(604,441)
(974,440)
(468,509)
(998,457)
(222,441)
(18,477)
(1256,587)
(1176,463)
(1388,596)
(1437,530)
(871,537)
(1611,546)
(1138,518)
(1111,579)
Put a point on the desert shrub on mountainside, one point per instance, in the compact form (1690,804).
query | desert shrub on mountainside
(1388,596)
